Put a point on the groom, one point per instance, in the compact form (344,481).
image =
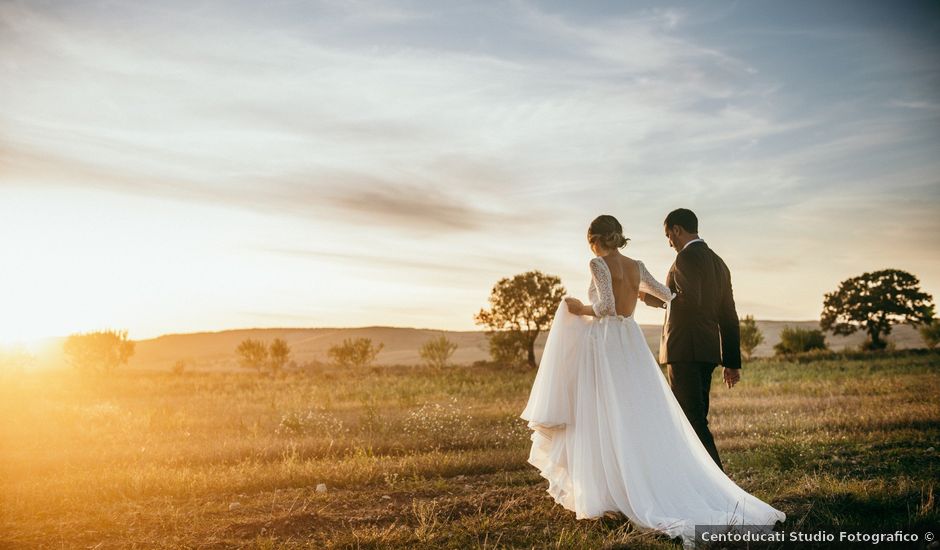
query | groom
(701,329)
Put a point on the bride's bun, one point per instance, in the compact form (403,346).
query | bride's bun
(607,232)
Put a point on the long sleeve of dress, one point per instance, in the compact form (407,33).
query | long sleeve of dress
(650,285)
(600,278)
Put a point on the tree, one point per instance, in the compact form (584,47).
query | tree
(799,340)
(279,353)
(252,354)
(931,333)
(874,302)
(98,351)
(437,351)
(751,336)
(358,352)
(522,306)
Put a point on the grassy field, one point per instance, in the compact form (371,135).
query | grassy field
(413,458)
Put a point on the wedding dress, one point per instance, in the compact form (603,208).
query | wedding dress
(608,434)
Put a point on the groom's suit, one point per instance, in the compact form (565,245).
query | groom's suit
(701,331)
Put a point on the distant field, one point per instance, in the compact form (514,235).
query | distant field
(216,350)
(413,458)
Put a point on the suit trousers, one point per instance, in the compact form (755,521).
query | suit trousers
(690,383)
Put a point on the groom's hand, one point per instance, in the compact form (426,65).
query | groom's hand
(731,376)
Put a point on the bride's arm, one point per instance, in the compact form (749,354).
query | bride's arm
(600,279)
(650,286)
(575,306)
(600,275)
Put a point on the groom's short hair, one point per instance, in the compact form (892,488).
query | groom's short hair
(682,217)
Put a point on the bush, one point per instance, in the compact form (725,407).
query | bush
(869,346)
(508,347)
(437,351)
(278,355)
(358,352)
(252,354)
(100,351)
(751,336)
(931,333)
(255,354)
(798,340)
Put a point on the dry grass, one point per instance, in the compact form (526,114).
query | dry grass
(414,458)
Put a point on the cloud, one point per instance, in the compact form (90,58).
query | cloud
(398,204)
(340,197)
(296,124)
(917,105)
(366,258)
(482,135)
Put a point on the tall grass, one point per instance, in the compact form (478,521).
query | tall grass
(414,457)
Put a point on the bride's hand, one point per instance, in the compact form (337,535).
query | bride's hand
(574,305)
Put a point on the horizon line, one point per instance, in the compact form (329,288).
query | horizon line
(42,338)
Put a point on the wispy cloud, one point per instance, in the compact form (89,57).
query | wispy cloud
(471,131)
(925,105)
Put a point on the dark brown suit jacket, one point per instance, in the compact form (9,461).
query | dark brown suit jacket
(701,323)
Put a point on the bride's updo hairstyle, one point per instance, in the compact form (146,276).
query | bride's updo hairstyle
(607,232)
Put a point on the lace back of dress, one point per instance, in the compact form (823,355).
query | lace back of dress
(603,302)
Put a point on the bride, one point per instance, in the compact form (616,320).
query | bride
(607,432)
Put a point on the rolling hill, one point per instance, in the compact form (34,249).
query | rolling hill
(216,350)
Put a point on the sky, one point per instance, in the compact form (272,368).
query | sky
(183,166)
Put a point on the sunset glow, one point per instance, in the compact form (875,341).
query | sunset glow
(190,168)
(245,246)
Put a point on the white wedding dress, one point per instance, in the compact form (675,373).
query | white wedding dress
(609,435)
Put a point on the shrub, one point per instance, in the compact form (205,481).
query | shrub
(437,351)
(99,351)
(358,352)
(279,355)
(751,336)
(931,333)
(508,348)
(252,354)
(799,340)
